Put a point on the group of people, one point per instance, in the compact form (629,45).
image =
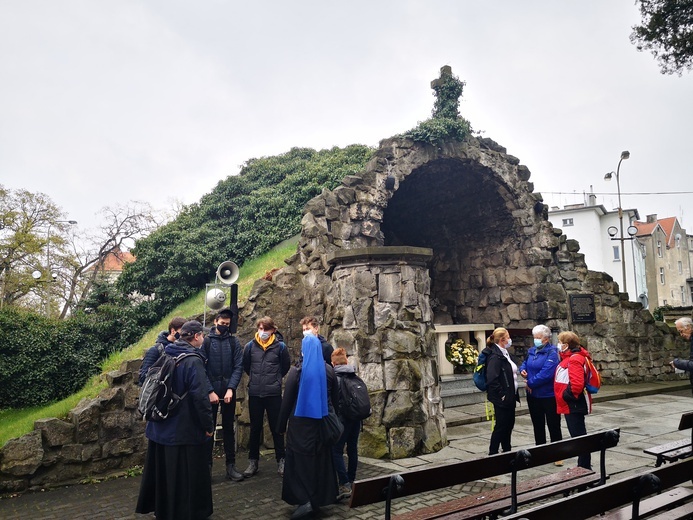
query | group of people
(176,482)
(555,385)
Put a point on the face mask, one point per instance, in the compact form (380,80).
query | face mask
(562,347)
(307,333)
(538,342)
(222,329)
(510,343)
(264,335)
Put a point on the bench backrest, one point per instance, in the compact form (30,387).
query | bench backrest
(613,495)
(686,421)
(369,491)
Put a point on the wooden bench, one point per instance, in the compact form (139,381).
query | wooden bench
(625,499)
(385,488)
(673,451)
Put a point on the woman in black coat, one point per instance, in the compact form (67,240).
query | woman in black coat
(309,477)
(501,385)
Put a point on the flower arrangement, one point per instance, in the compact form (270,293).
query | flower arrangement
(462,354)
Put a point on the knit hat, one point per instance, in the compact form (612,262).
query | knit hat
(339,357)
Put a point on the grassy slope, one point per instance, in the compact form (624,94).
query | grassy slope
(14,423)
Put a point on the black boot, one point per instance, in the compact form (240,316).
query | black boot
(233,474)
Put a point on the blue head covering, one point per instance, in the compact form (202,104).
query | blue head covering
(312,391)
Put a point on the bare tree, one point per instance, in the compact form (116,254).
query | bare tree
(85,262)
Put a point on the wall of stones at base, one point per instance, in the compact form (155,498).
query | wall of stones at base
(100,437)
(383,322)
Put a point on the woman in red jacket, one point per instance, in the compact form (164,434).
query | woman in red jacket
(569,387)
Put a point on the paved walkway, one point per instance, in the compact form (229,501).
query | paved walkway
(647,414)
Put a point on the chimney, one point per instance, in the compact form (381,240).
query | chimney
(651,219)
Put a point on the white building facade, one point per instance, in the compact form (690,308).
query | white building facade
(589,224)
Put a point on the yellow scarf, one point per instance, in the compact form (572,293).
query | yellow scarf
(264,344)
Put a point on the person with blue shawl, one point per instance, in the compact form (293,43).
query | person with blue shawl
(309,477)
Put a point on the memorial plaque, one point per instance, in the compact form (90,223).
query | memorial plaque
(582,308)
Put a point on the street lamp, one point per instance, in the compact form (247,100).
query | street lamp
(624,155)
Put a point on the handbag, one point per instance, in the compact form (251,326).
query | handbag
(331,428)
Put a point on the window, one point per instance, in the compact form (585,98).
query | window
(567,222)
(659,248)
(664,302)
(678,241)
(680,267)
(661,275)
(683,294)
(617,254)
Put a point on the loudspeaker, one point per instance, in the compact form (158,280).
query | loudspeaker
(227,272)
(215,299)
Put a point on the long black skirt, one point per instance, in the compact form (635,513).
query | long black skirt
(309,474)
(176,483)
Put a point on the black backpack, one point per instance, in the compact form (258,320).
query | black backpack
(354,402)
(157,398)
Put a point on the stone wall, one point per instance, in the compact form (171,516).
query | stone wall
(99,437)
(496,259)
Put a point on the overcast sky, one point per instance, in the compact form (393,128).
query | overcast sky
(104,102)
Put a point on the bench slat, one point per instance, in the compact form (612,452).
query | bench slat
(604,498)
(683,511)
(666,448)
(499,499)
(369,491)
(652,505)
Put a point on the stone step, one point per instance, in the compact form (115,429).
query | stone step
(459,390)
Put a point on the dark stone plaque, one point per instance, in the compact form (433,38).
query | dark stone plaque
(582,308)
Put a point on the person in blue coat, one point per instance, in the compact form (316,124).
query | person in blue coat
(224,356)
(539,370)
(176,481)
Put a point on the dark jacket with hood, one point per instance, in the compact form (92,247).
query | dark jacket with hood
(686,364)
(500,380)
(153,354)
(192,418)
(224,361)
(266,367)
(327,350)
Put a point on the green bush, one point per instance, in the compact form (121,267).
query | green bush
(242,218)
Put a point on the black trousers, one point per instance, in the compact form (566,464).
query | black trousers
(542,410)
(256,408)
(228,413)
(503,430)
(576,427)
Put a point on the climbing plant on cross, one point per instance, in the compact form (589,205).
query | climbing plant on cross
(447,90)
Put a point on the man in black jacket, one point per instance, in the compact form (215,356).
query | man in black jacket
(224,370)
(310,326)
(685,327)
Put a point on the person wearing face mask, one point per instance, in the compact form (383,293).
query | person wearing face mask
(176,481)
(266,360)
(539,370)
(311,328)
(572,400)
(165,337)
(224,370)
(501,385)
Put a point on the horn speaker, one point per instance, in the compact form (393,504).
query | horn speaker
(227,272)
(215,299)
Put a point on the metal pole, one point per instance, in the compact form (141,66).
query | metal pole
(620,224)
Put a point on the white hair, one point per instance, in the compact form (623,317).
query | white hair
(543,330)
(686,323)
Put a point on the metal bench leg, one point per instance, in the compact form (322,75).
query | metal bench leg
(396,482)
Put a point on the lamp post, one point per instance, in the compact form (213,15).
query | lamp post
(624,155)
